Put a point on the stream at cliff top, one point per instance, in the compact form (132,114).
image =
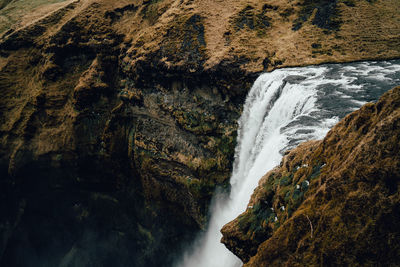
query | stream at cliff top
(282,109)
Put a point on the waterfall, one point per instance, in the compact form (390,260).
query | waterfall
(282,109)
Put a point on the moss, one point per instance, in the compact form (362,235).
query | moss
(297,199)
(244,220)
(201,189)
(287,196)
(269,185)
(195,121)
(226,144)
(209,164)
(185,41)
(350,217)
(316,170)
(253,20)
(253,221)
(327,16)
(283,191)
(304,186)
(286,180)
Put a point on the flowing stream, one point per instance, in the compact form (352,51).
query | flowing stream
(283,108)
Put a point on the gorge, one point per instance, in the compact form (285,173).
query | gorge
(119,122)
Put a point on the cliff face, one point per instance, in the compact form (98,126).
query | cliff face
(118,118)
(333,202)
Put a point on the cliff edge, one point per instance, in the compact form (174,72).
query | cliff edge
(333,202)
(118,118)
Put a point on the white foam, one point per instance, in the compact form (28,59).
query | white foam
(270,107)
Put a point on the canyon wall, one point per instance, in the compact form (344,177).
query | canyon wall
(118,118)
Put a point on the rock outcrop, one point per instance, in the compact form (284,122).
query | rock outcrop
(118,118)
(333,202)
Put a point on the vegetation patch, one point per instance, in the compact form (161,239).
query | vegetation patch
(185,42)
(151,11)
(253,19)
(12,12)
(119,12)
(327,16)
(195,121)
(202,189)
(255,222)
(280,197)
(316,170)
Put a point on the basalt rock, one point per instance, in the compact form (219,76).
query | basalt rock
(333,202)
(118,118)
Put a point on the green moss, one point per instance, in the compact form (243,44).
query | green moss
(316,170)
(209,164)
(287,196)
(283,191)
(278,188)
(226,144)
(270,186)
(201,189)
(195,121)
(286,180)
(253,220)
(304,186)
(297,198)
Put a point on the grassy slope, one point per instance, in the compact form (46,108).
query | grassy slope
(277,33)
(17,13)
(259,35)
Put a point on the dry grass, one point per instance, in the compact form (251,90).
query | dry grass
(23,12)
(368,30)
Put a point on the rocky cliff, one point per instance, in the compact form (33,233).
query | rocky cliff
(118,118)
(333,202)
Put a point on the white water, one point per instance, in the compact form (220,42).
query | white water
(282,109)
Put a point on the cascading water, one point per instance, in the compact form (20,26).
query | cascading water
(283,108)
